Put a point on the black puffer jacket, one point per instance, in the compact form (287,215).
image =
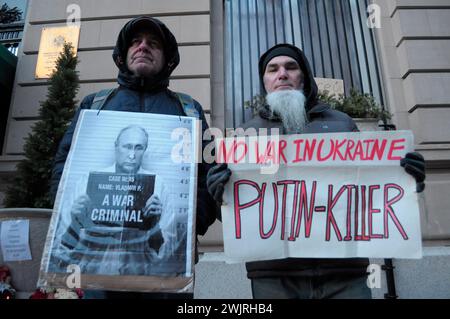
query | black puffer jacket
(145,95)
(321,119)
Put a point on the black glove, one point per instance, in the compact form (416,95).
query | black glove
(216,179)
(414,164)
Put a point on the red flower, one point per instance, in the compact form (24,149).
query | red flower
(39,294)
(4,273)
(6,294)
(80,293)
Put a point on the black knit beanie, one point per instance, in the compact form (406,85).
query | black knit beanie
(280,49)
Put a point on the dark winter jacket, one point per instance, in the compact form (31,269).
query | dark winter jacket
(321,119)
(146,96)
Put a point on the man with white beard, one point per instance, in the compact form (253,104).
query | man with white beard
(293,108)
(290,106)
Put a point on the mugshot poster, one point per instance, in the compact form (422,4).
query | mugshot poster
(124,214)
(339,195)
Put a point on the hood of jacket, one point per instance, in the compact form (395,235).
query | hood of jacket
(310,86)
(155,83)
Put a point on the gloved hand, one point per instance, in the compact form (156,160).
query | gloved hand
(414,164)
(216,179)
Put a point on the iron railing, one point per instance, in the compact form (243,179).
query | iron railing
(11,36)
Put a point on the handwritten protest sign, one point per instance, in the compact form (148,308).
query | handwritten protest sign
(321,195)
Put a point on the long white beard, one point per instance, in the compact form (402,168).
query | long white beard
(290,106)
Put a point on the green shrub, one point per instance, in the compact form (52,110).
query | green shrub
(31,185)
(356,105)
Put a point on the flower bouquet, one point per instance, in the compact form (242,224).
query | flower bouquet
(59,293)
(6,289)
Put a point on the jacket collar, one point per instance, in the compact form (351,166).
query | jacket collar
(318,108)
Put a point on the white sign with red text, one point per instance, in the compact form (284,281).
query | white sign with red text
(339,195)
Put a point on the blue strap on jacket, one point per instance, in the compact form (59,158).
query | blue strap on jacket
(186,101)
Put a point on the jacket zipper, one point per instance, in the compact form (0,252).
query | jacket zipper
(142,97)
(142,101)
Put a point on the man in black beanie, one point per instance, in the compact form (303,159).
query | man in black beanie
(293,108)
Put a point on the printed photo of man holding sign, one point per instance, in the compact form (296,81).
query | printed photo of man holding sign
(115,215)
(118,216)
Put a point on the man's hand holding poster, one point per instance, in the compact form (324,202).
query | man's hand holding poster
(337,195)
(125,209)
